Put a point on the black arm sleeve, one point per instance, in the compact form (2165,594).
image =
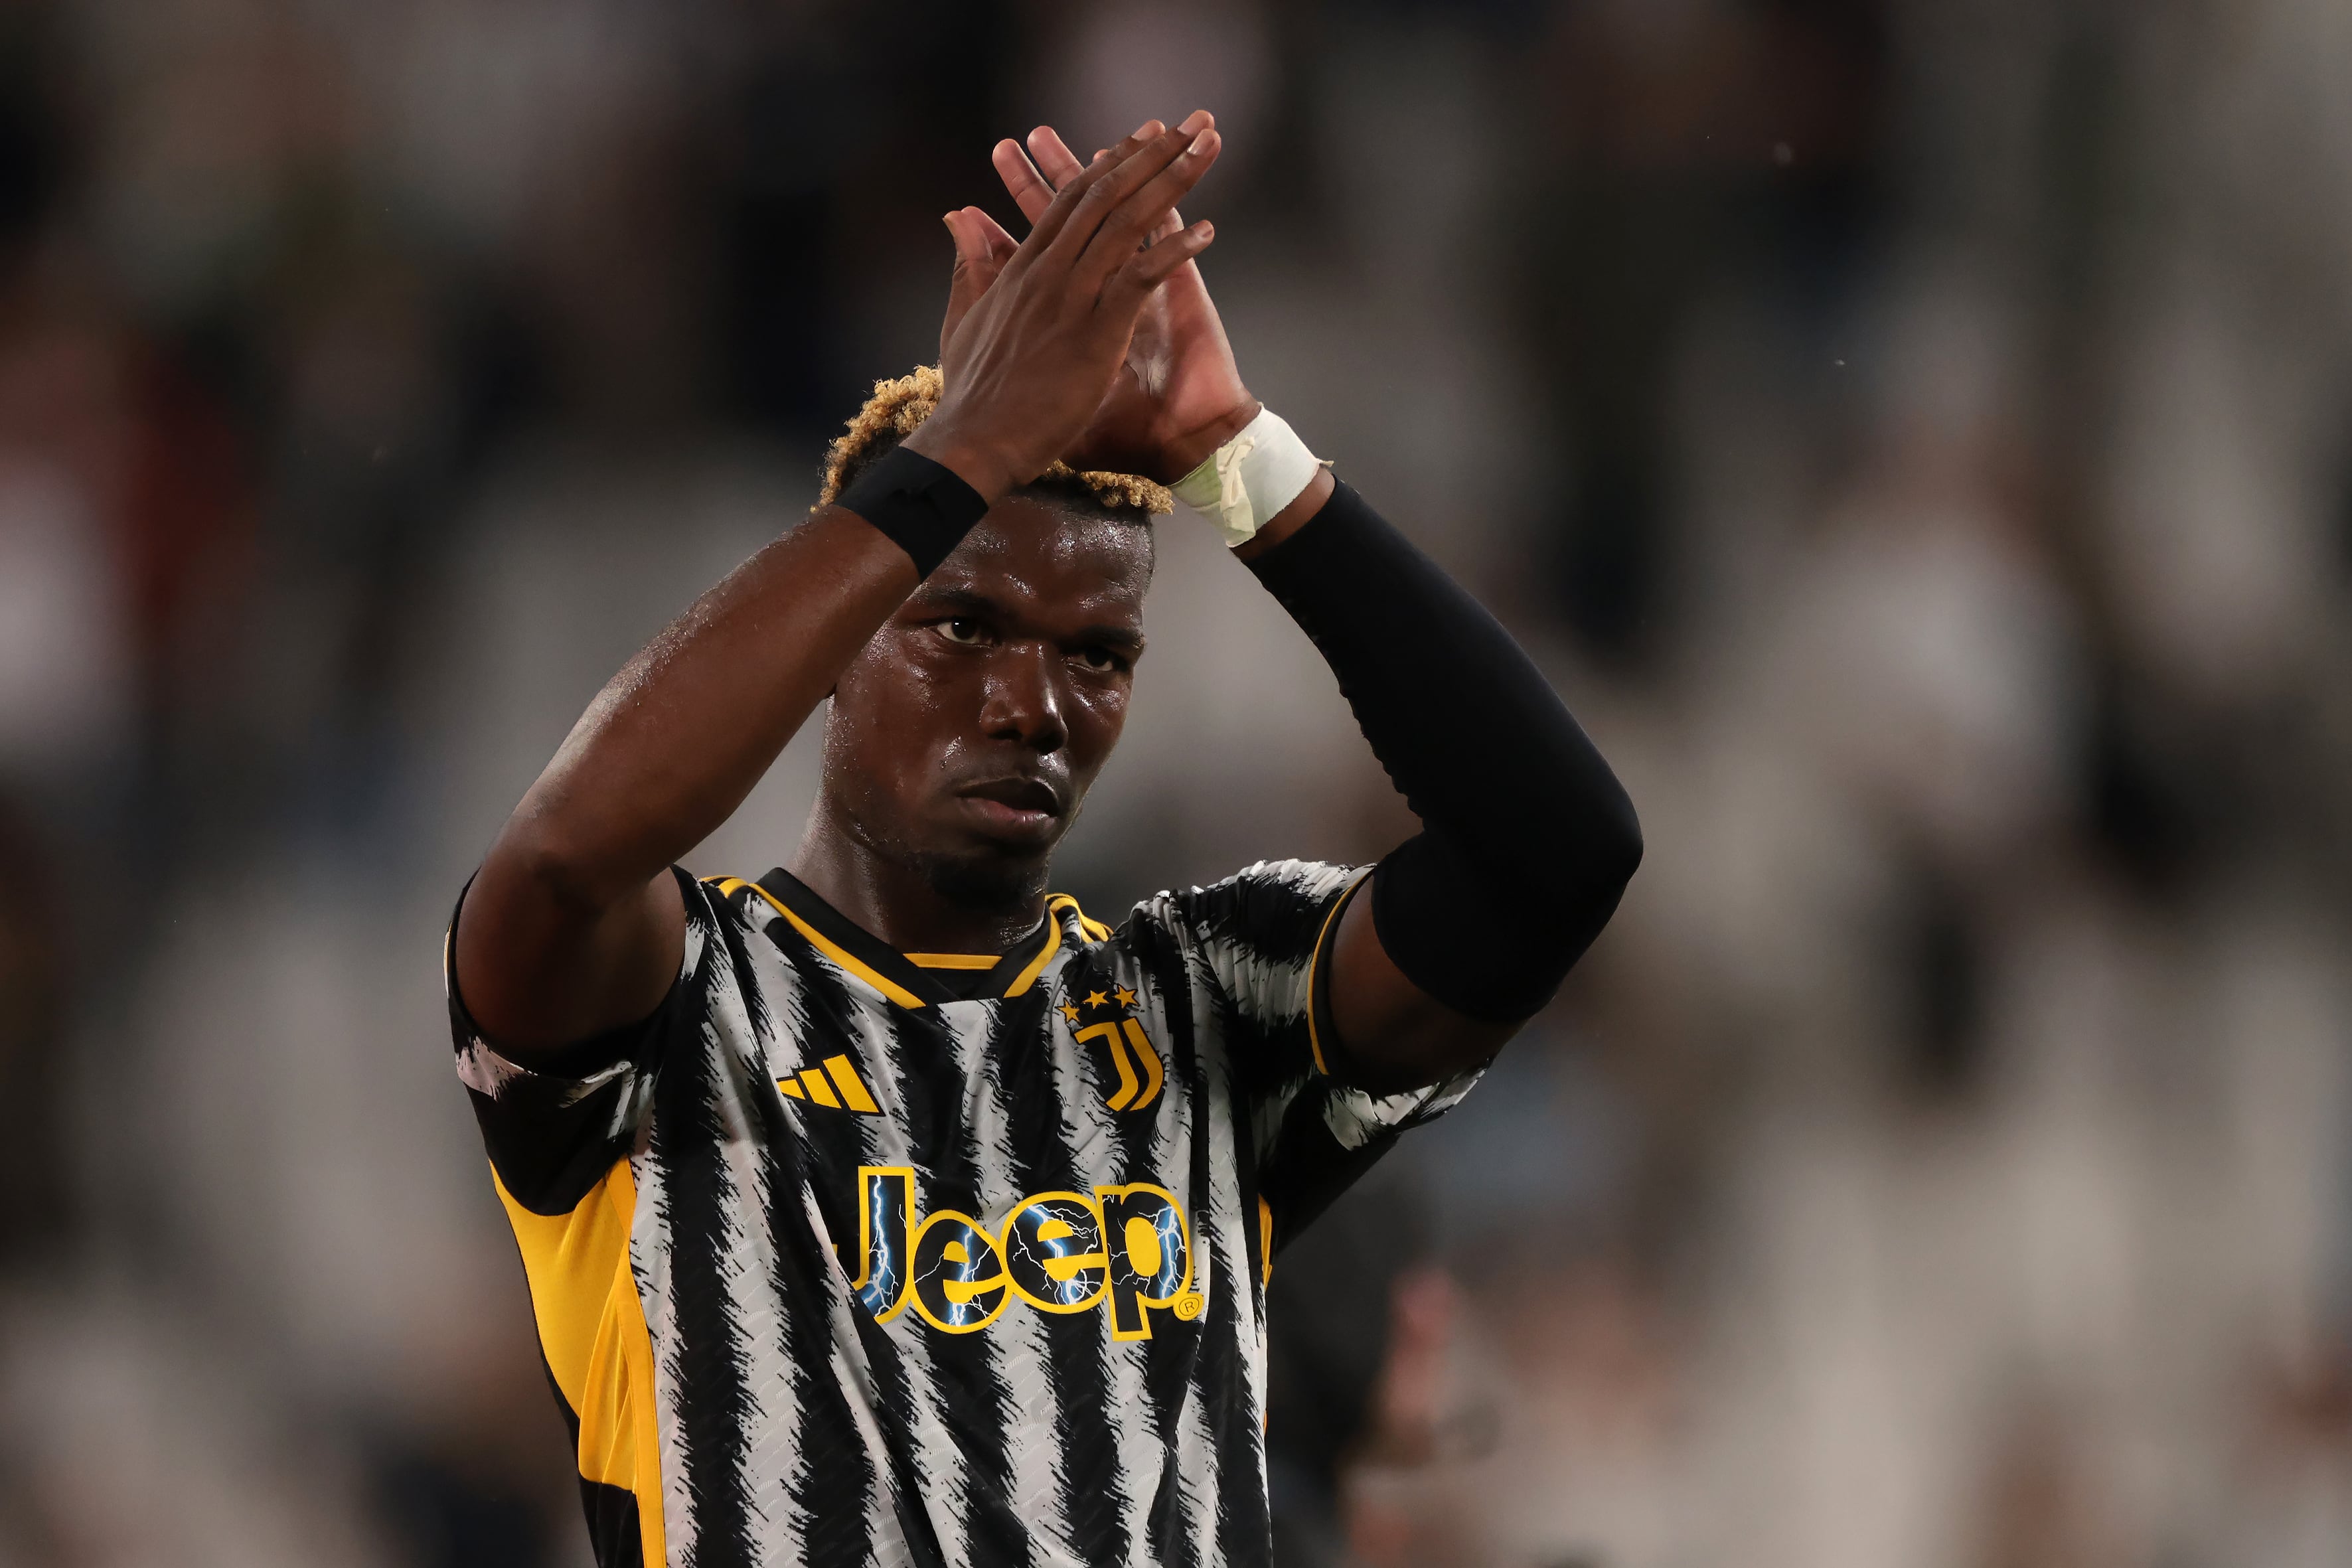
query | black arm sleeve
(1527,839)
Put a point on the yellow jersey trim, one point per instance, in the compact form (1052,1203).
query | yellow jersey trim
(827,946)
(898,990)
(591,1329)
(1036,966)
(1091,929)
(1314,1041)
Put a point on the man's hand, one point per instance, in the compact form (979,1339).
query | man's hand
(1035,335)
(1177,395)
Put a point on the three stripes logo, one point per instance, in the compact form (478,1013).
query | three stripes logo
(835,1085)
(1104,1018)
(1108,1016)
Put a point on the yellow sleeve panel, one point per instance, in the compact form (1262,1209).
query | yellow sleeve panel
(591,1327)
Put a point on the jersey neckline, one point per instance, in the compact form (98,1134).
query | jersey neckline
(910,985)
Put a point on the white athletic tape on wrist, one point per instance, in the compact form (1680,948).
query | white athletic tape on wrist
(1242,484)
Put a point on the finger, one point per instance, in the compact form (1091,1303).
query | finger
(1050,226)
(1123,231)
(961,292)
(1055,159)
(1148,268)
(1001,246)
(980,256)
(1169,222)
(1028,188)
(1109,185)
(983,247)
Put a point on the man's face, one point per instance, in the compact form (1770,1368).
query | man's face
(964,736)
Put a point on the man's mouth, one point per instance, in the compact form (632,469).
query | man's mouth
(1021,804)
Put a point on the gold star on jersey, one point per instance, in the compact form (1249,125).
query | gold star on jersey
(854,1257)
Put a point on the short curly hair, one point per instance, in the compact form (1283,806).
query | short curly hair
(898,407)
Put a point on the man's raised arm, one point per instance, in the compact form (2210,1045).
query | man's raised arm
(1527,840)
(574,926)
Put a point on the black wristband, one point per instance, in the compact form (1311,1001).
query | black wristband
(921,507)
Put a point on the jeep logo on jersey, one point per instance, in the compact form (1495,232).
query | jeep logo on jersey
(1059,1252)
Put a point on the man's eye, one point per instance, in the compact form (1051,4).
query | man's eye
(962,629)
(1101,660)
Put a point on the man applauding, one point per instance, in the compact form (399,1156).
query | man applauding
(885,1208)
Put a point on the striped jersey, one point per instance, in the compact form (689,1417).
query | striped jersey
(850,1256)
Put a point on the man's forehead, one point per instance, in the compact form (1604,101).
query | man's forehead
(1025,551)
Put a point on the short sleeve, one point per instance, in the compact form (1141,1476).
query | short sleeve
(553,1130)
(1265,936)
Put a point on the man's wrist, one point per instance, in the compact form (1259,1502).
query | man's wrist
(917,502)
(1301,511)
(1195,446)
(1249,480)
(977,465)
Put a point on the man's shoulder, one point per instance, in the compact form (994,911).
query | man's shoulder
(1276,908)
(723,895)
(727,913)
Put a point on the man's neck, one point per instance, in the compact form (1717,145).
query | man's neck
(899,901)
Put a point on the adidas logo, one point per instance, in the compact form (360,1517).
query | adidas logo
(835,1085)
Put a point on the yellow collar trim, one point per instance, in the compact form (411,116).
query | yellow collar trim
(830,949)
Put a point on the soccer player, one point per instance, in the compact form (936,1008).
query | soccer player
(887,1209)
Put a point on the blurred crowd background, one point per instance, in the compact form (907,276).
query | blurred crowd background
(1918,436)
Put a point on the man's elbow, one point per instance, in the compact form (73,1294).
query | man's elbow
(1617,841)
(1571,889)
(1592,851)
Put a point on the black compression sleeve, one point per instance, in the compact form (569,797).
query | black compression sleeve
(1527,839)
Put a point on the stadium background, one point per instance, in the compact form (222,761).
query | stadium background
(1914,434)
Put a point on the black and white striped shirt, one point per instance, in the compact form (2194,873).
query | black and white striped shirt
(852,1256)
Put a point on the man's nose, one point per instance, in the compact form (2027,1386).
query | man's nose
(1025,700)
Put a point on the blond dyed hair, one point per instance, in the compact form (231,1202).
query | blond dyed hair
(897,409)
